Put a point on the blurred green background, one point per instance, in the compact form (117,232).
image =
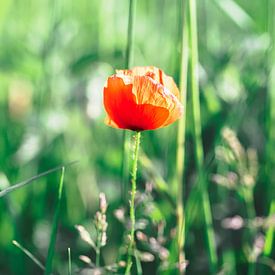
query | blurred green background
(54,60)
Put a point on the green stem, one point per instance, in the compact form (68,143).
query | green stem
(194,65)
(70,262)
(181,141)
(29,254)
(132,203)
(270,233)
(128,64)
(49,260)
(97,251)
(130,35)
(270,156)
(251,214)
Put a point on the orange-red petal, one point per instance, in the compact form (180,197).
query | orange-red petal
(156,74)
(139,103)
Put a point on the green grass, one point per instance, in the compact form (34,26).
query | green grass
(199,155)
(181,138)
(54,60)
(51,249)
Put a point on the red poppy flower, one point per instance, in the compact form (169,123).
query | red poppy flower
(143,98)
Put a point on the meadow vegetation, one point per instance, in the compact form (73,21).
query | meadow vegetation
(205,200)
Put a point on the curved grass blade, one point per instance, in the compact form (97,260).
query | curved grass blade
(30,180)
(29,254)
(49,260)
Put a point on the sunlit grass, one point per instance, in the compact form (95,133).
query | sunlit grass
(54,59)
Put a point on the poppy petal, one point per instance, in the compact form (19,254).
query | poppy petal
(116,97)
(138,100)
(156,74)
(149,92)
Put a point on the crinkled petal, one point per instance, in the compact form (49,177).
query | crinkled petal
(139,103)
(148,91)
(156,74)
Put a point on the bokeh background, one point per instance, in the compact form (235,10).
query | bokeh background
(54,60)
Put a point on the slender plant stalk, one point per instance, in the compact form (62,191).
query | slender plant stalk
(51,249)
(130,35)
(181,142)
(29,254)
(32,179)
(98,243)
(211,247)
(269,242)
(251,214)
(138,264)
(132,203)
(69,262)
(126,137)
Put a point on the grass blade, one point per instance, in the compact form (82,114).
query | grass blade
(236,13)
(51,249)
(30,180)
(29,254)
(270,159)
(130,35)
(181,140)
(126,136)
(194,66)
(69,262)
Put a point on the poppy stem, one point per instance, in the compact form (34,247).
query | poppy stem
(132,202)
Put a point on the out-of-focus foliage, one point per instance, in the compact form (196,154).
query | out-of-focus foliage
(54,59)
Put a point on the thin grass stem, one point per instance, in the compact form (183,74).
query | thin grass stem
(138,264)
(51,249)
(181,141)
(126,137)
(69,262)
(29,254)
(132,203)
(270,159)
(270,233)
(194,67)
(251,214)
(98,244)
(32,179)
(130,35)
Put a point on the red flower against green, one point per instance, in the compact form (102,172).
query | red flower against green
(143,98)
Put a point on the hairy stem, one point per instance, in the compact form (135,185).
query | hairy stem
(132,203)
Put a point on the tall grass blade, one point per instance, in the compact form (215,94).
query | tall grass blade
(199,155)
(181,140)
(269,242)
(126,136)
(30,180)
(29,254)
(236,13)
(130,35)
(51,249)
(69,262)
